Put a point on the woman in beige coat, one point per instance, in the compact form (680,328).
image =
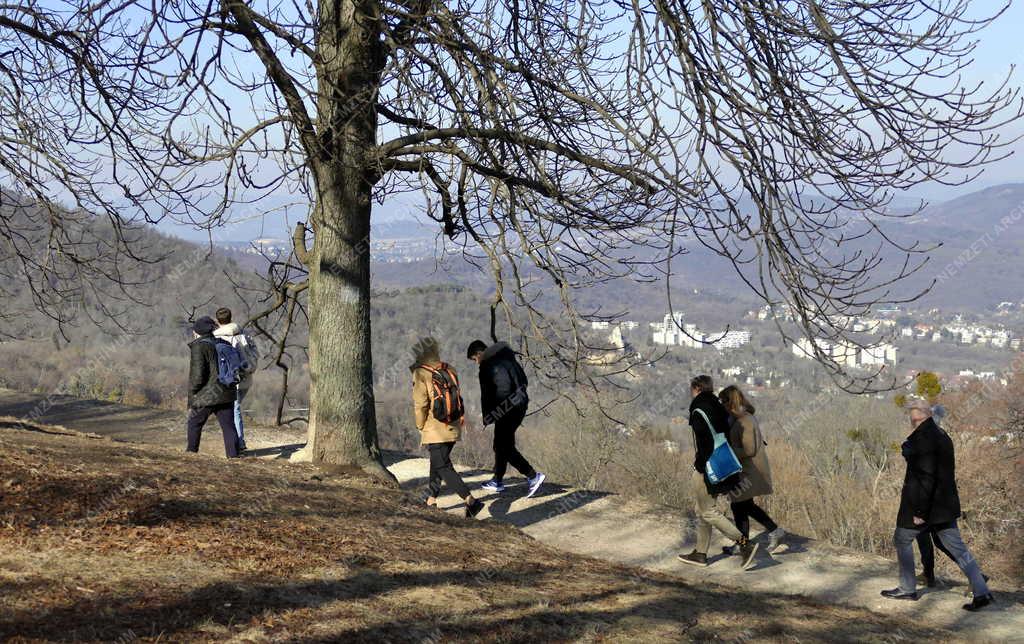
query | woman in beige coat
(439,436)
(748,443)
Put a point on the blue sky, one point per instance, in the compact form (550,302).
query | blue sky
(1000,48)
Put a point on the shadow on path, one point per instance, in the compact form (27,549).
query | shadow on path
(501,507)
(420,481)
(280,451)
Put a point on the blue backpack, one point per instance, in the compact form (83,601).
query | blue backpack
(231,366)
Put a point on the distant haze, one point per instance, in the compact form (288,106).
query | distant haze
(978,257)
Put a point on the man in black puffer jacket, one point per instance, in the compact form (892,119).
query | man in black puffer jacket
(706,407)
(206,394)
(504,400)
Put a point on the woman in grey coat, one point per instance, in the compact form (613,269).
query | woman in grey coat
(748,443)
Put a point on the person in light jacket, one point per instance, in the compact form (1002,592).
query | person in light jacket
(231,333)
(438,436)
(750,447)
(930,501)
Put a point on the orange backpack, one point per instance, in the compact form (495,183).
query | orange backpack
(447,404)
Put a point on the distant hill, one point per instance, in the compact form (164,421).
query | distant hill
(981,259)
(980,262)
(978,212)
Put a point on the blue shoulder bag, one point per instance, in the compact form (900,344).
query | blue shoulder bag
(723,462)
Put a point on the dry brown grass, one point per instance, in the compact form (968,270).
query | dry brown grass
(101,541)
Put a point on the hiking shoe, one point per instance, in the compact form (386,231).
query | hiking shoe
(535,483)
(694,558)
(729,550)
(493,486)
(473,509)
(775,538)
(979,602)
(896,593)
(747,551)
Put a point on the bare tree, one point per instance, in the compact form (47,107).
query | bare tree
(563,144)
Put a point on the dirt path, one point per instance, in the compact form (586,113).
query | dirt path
(610,527)
(600,525)
(141,424)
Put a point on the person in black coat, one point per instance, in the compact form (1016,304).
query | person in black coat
(504,399)
(705,408)
(703,436)
(928,541)
(206,394)
(930,502)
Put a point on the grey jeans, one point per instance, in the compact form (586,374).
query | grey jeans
(949,535)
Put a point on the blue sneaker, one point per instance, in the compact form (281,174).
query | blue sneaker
(493,486)
(535,483)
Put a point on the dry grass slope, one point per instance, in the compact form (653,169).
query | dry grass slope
(104,541)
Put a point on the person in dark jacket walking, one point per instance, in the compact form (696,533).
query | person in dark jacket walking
(708,417)
(928,541)
(930,501)
(206,394)
(504,398)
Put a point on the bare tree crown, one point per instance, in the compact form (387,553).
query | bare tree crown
(563,143)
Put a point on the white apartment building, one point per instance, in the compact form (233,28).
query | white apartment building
(730,340)
(879,355)
(804,348)
(693,337)
(669,333)
(847,354)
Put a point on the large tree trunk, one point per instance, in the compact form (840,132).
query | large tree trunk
(342,423)
(342,420)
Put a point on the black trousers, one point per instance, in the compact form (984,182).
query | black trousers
(441,469)
(744,511)
(505,452)
(225,416)
(925,539)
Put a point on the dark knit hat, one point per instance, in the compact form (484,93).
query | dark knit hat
(204,325)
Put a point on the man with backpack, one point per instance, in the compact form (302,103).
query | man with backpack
(709,417)
(439,415)
(505,401)
(212,384)
(232,333)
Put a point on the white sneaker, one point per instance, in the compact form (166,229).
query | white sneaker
(775,538)
(535,483)
(493,486)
